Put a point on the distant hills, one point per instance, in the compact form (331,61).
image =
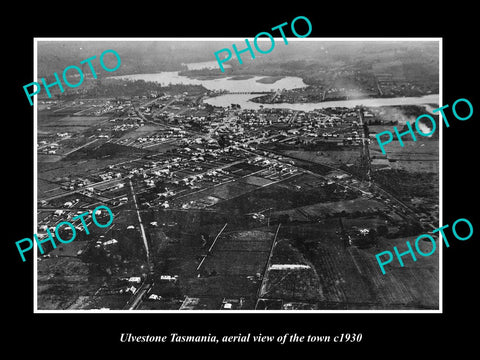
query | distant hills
(156,56)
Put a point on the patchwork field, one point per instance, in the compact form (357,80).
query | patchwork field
(416,156)
(346,277)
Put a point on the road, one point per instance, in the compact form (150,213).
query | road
(159,111)
(230,117)
(78,148)
(261,289)
(142,230)
(137,298)
(211,247)
(366,161)
(275,95)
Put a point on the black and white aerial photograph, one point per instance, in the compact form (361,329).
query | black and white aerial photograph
(218,180)
(258,188)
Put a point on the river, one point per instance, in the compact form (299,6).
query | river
(223,83)
(287,83)
(242,100)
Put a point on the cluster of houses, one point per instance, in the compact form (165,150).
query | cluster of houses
(160,136)
(51,146)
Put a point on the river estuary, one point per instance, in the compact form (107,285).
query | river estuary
(286,83)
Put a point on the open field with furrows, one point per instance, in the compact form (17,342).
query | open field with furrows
(326,209)
(419,156)
(50,173)
(301,284)
(70,279)
(41,158)
(316,167)
(213,192)
(330,157)
(377,129)
(175,239)
(72,107)
(364,221)
(422,147)
(142,131)
(414,286)
(350,278)
(301,190)
(49,122)
(61,280)
(176,248)
(106,150)
(240,260)
(256,181)
(232,267)
(231,190)
(45,186)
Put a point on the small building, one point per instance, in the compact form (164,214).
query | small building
(131,289)
(110,242)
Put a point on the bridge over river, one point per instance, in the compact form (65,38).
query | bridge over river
(249,92)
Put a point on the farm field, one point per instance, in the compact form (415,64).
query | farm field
(347,277)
